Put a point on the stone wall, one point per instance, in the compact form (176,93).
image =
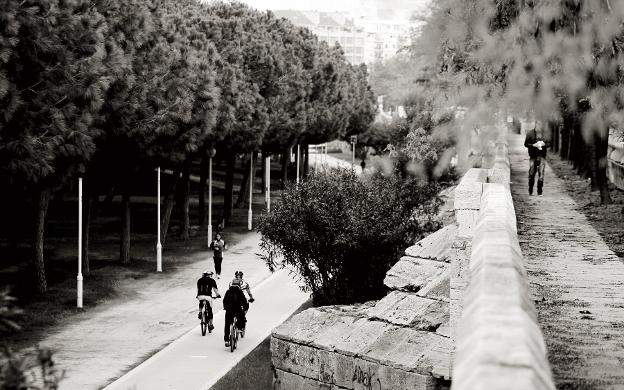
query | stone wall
(498,342)
(400,342)
(459,299)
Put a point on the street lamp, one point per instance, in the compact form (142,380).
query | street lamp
(211,153)
(158,242)
(251,180)
(298,154)
(267,184)
(79,277)
(353,142)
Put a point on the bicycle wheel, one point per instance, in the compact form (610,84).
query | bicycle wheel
(204,323)
(233,335)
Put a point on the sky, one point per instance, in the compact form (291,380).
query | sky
(328,5)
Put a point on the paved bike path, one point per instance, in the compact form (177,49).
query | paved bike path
(197,362)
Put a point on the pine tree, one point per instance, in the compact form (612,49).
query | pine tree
(52,86)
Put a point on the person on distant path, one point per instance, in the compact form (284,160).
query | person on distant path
(205,285)
(235,305)
(537,144)
(218,246)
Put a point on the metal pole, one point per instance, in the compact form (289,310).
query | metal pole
(268,184)
(209,201)
(251,180)
(353,156)
(79,277)
(325,157)
(158,242)
(298,152)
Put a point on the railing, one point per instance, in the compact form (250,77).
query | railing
(615,164)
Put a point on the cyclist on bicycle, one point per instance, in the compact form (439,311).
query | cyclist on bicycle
(205,285)
(244,286)
(235,305)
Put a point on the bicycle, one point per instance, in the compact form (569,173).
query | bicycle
(235,332)
(206,318)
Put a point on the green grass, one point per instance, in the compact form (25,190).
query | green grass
(254,371)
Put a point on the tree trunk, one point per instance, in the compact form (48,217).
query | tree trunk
(564,151)
(89,205)
(306,160)
(285,161)
(203,177)
(124,247)
(601,150)
(168,206)
(185,200)
(229,189)
(43,200)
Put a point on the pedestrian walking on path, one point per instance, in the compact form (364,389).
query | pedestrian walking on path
(537,144)
(218,246)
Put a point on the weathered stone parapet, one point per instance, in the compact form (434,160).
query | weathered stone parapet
(467,203)
(499,343)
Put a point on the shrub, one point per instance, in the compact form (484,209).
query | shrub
(341,233)
(14,368)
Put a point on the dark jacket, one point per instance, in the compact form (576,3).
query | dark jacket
(234,300)
(205,284)
(532,136)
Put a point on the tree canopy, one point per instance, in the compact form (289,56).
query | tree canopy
(108,89)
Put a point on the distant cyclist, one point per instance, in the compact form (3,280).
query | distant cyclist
(235,305)
(205,286)
(244,286)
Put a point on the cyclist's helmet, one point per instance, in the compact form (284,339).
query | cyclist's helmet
(208,272)
(238,274)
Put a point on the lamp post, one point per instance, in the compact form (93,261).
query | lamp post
(211,154)
(298,154)
(79,277)
(267,184)
(353,142)
(251,180)
(158,242)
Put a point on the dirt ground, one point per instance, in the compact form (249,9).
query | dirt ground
(608,220)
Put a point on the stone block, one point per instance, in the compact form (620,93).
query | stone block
(435,246)
(474,175)
(466,222)
(336,368)
(405,309)
(468,195)
(363,333)
(370,375)
(412,274)
(296,358)
(439,288)
(426,353)
(285,380)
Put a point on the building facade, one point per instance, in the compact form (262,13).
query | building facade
(367,35)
